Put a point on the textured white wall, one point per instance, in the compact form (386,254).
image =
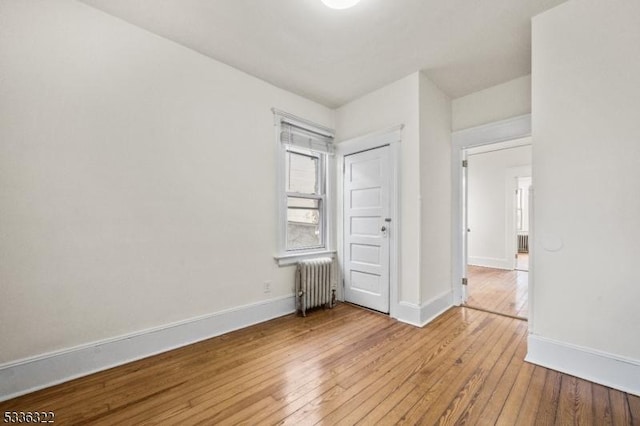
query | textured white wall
(586,167)
(394,104)
(506,100)
(491,205)
(137,181)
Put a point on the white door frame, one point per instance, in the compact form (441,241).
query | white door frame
(391,137)
(511,129)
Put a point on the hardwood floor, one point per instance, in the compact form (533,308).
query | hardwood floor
(522,262)
(342,366)
(498,290)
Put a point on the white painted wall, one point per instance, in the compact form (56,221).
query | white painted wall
(506,100)
(586,165)
(394,104)
(435,189)
(491,205)
(137,181)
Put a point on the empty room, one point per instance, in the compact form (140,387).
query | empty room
(279,212)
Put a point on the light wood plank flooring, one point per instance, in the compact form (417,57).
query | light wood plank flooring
(522,262)
(498,290)
(342,366)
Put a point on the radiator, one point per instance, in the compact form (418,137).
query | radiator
(523,243)
(313,284)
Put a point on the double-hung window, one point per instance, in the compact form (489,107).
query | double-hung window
(303,179)
(306,199)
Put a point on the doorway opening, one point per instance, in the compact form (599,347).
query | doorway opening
(498,178)
(522,222)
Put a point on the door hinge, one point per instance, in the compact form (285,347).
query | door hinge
(465,163)
(465,281)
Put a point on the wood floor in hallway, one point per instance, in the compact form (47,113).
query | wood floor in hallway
(341,366)
(522,262)
(498,290)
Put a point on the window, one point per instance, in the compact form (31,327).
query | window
(304,150)
(304,186)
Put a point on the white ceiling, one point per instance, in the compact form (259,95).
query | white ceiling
(334,56)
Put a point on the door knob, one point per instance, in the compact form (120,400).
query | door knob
(383,229)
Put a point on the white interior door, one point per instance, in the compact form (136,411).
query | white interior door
(367,225)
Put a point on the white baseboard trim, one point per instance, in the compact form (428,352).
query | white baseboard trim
(28,375)
(436,307)
(421,315)
(589,364)
(490,262)
(408,313)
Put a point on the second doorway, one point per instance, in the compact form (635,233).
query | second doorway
(498,180)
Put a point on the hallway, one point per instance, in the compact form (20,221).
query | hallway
(498,290)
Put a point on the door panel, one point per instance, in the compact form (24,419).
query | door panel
(366,206)
(362,253)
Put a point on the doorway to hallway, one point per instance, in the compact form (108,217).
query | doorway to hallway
(498,179)
(522,222)
(499,291)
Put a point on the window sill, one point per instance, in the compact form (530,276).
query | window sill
(292,259)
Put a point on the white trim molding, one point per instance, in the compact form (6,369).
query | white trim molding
(280,116)
(589,364)
(421,315)
(31,374)
(499,131)
(292,259)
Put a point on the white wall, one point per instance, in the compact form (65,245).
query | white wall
(506,100)
(491,208)
(394,104)
(586,166)
(137,181)
(435,189)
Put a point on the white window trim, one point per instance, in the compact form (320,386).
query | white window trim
(284,257)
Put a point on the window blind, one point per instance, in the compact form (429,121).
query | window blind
(305,138)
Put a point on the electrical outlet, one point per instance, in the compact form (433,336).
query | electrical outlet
(267,286)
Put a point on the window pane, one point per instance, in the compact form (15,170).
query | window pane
(302,173)
(303,223)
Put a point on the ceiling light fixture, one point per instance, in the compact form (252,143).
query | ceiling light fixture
(340,4)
